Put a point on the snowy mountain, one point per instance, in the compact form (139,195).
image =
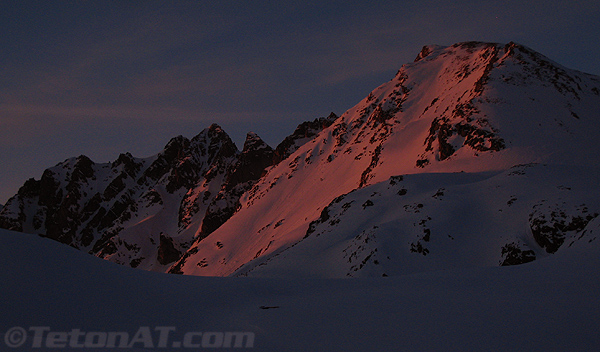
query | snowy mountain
(477,154)
(145,213)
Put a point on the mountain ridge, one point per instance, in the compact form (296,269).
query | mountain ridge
(196,182)
(362,147)
(472,108)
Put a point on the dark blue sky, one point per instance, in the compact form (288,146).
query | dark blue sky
(104,77)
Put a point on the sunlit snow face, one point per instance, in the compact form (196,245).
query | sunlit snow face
(100,80)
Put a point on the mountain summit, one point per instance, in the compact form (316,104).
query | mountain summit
(475,154)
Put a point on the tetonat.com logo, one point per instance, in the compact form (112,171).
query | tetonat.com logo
(144,337)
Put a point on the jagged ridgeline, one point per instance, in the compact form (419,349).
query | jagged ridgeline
(475,154)
(146,212)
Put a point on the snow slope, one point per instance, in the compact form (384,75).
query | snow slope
(474,155)
(478,108)
(547,305)
(426,222)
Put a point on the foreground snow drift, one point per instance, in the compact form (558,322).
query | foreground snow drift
(549,304)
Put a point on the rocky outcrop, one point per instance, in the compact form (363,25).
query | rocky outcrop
(99,208)
(513,254)
(552,224)
(167,253)
(251,163)
(303,133)
(148,212)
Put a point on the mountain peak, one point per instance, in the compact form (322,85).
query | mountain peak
(215,127)
(469,149)
(254,159)
(426,50)
(254,142)
(471,108)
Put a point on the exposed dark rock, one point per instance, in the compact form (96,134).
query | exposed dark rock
(136,262)
(366,175)
(83,169)
(381,115)
(130,166)
(491,55)
(211,147)
(214,218)
(550,225)
(12,215)
(153,197)
(313,225)
(115,187)
(474,135)
(305,130)
(417,247)
(107,247)
(178,266)
(268,307)
(512,254)
(30,189)
(254,159)
(395,179)
(167,253)
(166,159)
(422,162)
(425,51)
(50,193)
(250,166)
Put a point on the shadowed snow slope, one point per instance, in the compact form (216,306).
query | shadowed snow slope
(550,304)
